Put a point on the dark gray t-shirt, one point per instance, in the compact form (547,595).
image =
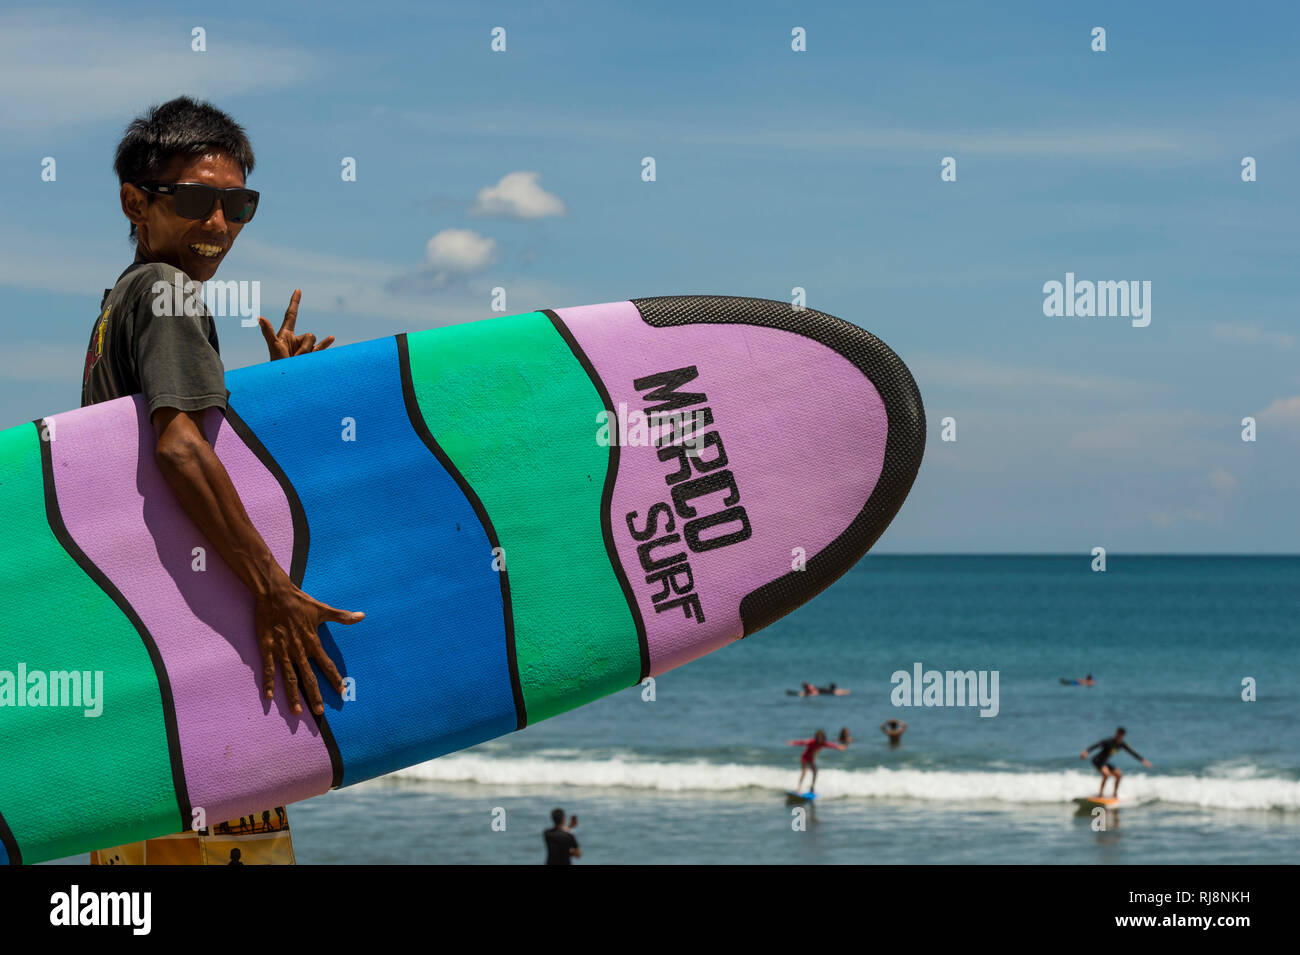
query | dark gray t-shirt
(174,360)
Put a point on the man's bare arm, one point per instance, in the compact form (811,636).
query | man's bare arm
(286,619)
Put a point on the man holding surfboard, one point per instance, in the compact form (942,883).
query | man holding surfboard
(181,169)
(1106,749)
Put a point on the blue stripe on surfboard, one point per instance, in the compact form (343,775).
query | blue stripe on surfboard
(391,534)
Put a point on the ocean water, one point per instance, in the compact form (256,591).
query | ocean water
(698,774)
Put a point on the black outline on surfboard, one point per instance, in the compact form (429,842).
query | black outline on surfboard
(54,518)
(422,429)
(10,843)
(607,493)
(297,563)
(904,440)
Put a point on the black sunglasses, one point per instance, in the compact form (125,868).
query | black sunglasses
(193,200)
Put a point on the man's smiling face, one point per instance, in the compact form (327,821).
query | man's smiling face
(195,246)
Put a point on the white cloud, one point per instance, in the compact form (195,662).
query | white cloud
(518,196)
(1285,411)
(1102,141)
(460,250)
(1221,480)
(74,69)
(1252,335)
(984,376)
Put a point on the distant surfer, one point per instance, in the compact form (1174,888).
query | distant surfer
(831,690)
(1105,750)
(808,759)
(894,730)
(1075,681)
(561,846)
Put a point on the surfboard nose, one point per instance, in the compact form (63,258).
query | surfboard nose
(792,439)
(881,404)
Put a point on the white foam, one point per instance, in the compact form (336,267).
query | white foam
(1256,793)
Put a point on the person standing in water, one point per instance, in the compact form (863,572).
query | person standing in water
(894,730)
(808,759)
(561,847)
(1106,749)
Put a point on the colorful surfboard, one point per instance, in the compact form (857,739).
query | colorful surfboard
(532,511)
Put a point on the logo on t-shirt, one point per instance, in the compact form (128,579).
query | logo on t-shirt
(96,349)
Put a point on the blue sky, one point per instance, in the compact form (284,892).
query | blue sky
(775,169)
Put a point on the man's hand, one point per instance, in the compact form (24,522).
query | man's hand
(284,343)
(287,621)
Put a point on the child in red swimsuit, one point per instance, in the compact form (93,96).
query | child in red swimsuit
(808,760)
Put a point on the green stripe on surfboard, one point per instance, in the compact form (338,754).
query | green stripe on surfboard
(116,761)
(516,413)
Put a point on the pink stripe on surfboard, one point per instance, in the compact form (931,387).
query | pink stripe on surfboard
(804,432)
(240,752)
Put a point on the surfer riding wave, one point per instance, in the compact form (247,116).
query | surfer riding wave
(1106,749)
(808,759)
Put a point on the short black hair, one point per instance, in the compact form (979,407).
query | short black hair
(557,816)
(1119,730)
(179,127)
